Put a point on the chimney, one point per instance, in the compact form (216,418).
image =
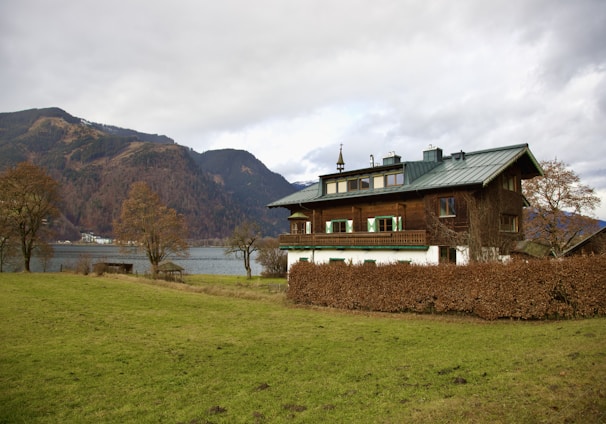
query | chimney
(432,154)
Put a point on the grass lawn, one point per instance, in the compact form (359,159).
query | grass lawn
(221,350)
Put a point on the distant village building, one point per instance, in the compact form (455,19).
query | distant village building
(442,209)
(92,238)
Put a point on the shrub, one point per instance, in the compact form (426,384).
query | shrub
(565,288)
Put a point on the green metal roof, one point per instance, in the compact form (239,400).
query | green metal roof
(460,169)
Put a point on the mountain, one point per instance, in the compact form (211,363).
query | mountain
(95,165)
(300,185)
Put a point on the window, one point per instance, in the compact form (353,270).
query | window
(331,187)
(364,183)
(358,184)
(339,226)
(300,227)
(385,224)
(510,182)
(394,179)
(297,227)
(509,223)
(447,206)
(448,255)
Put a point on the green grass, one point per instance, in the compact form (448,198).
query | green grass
(226,350)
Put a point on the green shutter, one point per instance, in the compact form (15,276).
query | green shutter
(328,227)
(308,227)
(350,226)
(371,225)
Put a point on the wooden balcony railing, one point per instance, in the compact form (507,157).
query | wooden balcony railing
(360,239)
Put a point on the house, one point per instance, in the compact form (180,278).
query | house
(467,205)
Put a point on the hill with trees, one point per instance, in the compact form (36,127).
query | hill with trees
(95,165)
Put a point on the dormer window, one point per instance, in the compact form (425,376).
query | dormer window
(358,184)
(394,179)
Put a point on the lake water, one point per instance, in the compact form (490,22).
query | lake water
(201,260)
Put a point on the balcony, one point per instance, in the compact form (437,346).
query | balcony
(359,240)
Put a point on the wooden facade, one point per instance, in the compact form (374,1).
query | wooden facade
(482,216)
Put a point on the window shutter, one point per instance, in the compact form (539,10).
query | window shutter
(308,227)
(371,225)
(350,226)
(328,227)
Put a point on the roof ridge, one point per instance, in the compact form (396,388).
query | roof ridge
(494,149)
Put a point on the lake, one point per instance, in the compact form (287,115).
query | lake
(201,260)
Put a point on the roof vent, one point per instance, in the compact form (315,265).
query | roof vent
(459,155)
(432,154)
(392,159)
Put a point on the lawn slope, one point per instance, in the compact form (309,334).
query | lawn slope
(97,349)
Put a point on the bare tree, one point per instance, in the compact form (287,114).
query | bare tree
(274,260)
(28,200)
(558,204)
(243,242)
(150,225)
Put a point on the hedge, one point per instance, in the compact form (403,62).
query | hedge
(538,289)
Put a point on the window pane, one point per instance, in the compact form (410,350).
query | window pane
(447,206)
(339,226)
(394,179)
(364,183)
(509,223)
(385,224)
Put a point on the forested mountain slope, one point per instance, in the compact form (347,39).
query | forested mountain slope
(95,165)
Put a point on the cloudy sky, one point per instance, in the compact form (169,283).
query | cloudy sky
(292,80)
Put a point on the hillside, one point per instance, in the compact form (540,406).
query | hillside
(96,163)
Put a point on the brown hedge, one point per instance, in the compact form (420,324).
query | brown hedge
(545,289)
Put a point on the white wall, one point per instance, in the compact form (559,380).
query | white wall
(430,256)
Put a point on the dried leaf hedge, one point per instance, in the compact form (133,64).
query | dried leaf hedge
(539,289)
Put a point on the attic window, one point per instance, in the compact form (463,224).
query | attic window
(394,179)
(510,182)
(331,187)
(358,184)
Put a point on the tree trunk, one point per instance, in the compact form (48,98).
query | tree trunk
(247,265)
